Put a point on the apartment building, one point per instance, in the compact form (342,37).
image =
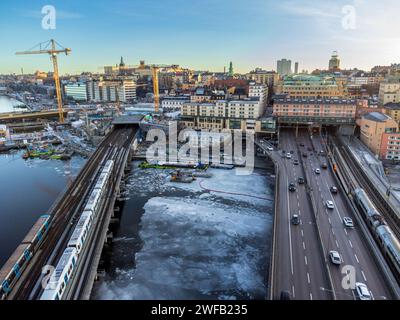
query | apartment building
(174,103)
(259,91)
(393,111)
(235,115)
(322,110)
(112,90)
(389,91)
(300,86)
(269,78)
(380,133)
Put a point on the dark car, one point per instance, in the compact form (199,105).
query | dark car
(324,166)
(309,149)
(285,295)
(301,144)
(334,190)
(292,187)
(305,155)
(296,162)
(301,180)
(291,152)
(295,220)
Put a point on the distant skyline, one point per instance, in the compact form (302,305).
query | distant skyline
(203,34)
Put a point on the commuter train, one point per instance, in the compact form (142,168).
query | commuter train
(20,259)
(65,268)
(387,240)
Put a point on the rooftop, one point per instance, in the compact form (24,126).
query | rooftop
(376,116)
(392,106)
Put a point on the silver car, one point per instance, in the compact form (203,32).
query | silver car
(335,257)
(330,205)
(348,222)
(363,291)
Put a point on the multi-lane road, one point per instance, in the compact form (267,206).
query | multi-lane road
(301,263)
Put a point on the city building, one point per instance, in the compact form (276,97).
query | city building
(300,86)
(389,91)
(284,67)
(269,78)
(380,134)
(231,72)
(315,111)
(393,111)
(113,89)
(77,91)
(296,68)
(174,103)
(334,62)
(241,115)
(258,91)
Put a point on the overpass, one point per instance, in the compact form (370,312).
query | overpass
(14,116)
(300,264)
(65,213)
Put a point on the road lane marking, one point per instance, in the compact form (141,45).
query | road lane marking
(302,233)
(337,244)
(358,261)
(293,292)
(351,245)
(308,278)
(305,260)
(290,233)
(345,231)
(363,274)
(311,297)
(304,246)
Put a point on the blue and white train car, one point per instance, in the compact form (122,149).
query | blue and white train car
(102,181)
(94,201)
(390,244)
(108,166)
(61,276)
(81,232)
(17,263)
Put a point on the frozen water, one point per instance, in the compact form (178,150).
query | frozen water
(197,245)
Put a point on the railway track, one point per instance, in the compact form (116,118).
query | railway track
(374,194)
(63,213)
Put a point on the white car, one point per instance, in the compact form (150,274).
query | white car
(270,149)
(288,156)
(348,222)
(335,257)
(318,171)
(330,205)
(363,292)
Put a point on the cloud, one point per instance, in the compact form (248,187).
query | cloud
(310,9)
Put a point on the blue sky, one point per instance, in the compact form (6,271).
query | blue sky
(201,34)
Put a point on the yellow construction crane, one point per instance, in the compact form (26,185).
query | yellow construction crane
(154,70)
(50,48)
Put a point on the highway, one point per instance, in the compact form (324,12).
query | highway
(349,243)
(301,262)
(301,266)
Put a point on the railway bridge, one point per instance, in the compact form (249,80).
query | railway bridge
(46,264)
